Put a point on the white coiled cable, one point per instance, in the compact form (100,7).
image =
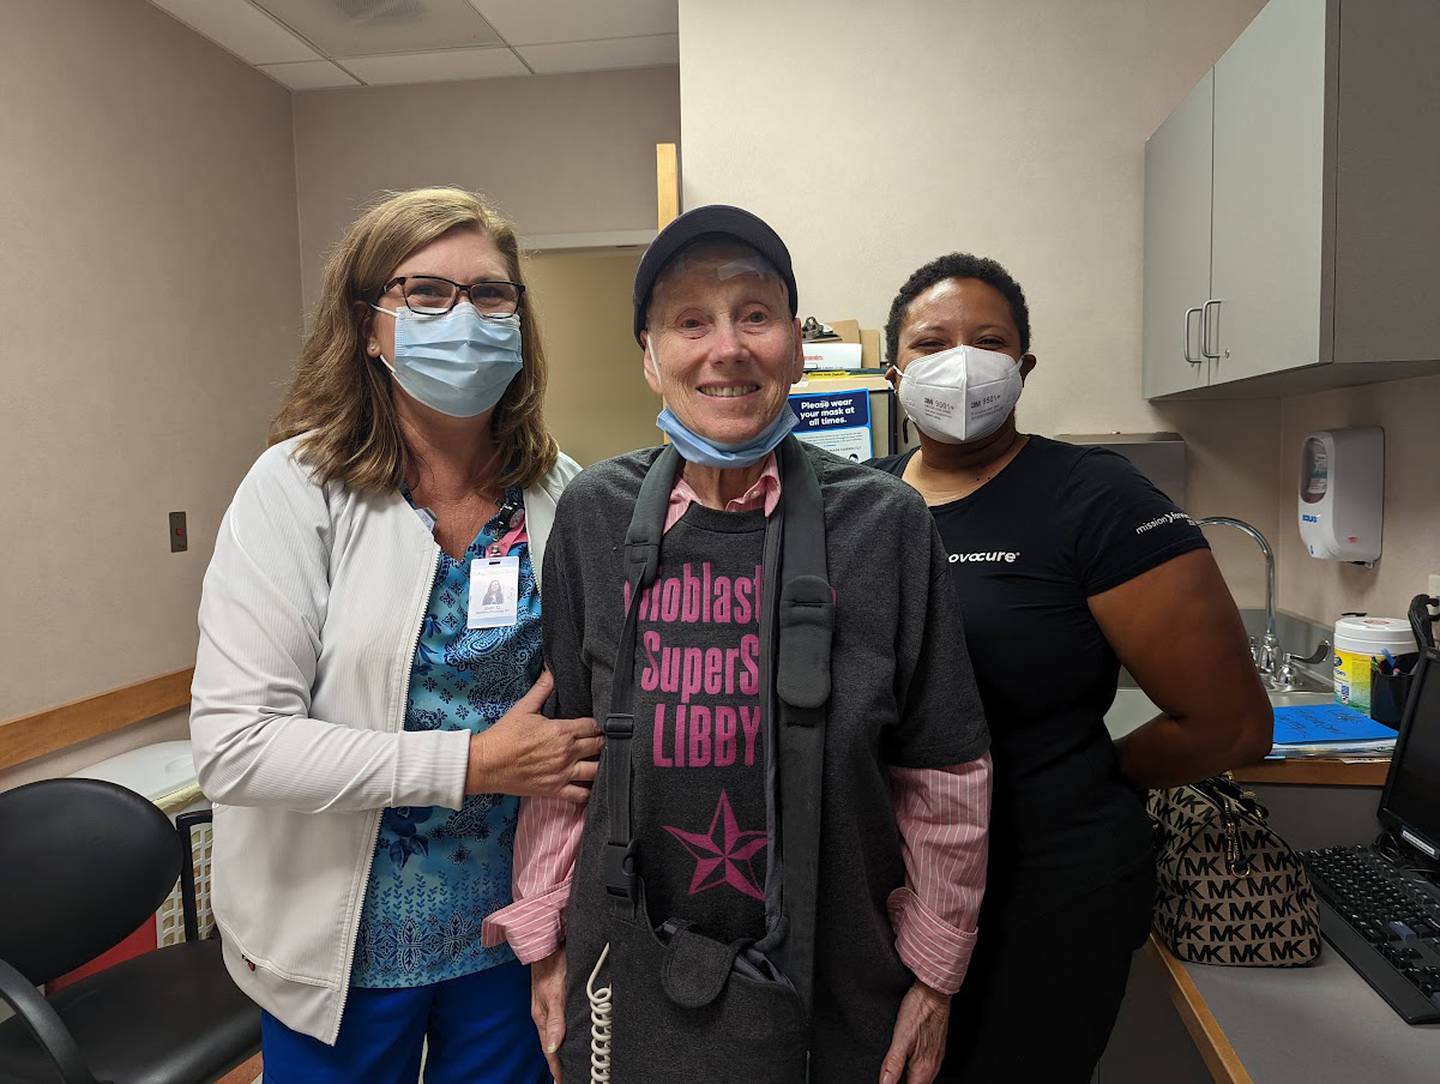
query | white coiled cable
(600,1023)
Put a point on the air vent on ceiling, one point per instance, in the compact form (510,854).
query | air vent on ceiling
(382,11)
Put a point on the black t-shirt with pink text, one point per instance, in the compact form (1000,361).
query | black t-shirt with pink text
(698,753)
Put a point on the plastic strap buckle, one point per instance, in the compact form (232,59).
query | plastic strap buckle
(620,726)
(617,869)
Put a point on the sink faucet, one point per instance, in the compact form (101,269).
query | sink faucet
(1273,661)
(1269,650)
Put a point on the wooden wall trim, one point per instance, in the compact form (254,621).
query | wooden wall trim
(1210,1040)
(29,736)
(667,184)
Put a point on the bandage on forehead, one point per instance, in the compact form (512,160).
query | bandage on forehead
(722,258)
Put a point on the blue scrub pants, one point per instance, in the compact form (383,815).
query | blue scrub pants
(478,1028)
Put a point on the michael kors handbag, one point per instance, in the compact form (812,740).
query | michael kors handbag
(1228,889)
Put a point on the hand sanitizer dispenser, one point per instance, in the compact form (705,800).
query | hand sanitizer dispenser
(1342,493)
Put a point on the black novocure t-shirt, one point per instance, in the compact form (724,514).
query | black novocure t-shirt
(1059,524)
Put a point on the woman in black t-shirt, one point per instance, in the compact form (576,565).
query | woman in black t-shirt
(1068,562)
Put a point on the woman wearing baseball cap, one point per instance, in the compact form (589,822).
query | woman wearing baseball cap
(782,860)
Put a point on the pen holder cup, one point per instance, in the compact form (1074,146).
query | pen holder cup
(1388,691)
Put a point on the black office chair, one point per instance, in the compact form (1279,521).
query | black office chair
(82,864)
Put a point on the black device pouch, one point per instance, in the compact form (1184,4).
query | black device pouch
(669,1002)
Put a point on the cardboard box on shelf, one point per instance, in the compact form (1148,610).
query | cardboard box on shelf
(833,355)
(856,348)
(870,348)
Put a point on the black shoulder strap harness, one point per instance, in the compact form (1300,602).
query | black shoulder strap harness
(796,627)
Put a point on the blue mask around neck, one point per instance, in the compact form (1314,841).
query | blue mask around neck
(696,449)
(458,363)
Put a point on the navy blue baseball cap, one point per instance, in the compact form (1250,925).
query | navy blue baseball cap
(712,220)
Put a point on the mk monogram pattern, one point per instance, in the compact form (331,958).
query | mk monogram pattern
(1228,889)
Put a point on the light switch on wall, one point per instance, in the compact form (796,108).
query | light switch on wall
(179,539)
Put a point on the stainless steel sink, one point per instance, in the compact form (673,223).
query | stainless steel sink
(1301,681)
(1133,709)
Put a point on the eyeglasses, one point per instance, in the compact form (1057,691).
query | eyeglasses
(430,295)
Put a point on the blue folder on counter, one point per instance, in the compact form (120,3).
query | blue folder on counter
(1314,724)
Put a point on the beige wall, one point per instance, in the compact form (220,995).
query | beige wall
(151,306)
(598,404)
(561,154)
(1011,128)
(1323,590)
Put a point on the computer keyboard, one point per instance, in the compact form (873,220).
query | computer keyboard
(1385,921)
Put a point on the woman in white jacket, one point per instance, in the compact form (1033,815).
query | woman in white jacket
(361,728)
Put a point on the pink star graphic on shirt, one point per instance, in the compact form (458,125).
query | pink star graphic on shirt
(725,861)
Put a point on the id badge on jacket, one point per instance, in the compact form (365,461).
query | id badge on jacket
(494,592)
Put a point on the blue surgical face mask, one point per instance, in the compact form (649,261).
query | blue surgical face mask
(708,453)
(459,363)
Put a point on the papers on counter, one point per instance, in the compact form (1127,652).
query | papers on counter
(1329,730)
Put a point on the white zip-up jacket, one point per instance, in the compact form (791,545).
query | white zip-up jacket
(309,618)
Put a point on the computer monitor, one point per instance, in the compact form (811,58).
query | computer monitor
(1410,804)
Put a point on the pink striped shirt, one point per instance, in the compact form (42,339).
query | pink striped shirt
(943,815)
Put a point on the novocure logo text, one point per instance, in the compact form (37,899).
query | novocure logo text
(985,558)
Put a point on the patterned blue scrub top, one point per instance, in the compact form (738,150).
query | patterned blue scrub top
(437,872)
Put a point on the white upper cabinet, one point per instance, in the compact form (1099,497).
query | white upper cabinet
(1265,266)
(1387,225)
(1321,179)
(1177,240)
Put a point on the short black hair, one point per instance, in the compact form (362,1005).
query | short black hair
(957,265)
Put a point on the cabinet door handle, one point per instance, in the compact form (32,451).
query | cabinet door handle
(1188,356)
(1205,329)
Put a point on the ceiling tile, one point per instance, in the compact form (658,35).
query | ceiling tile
(443,66)
(308,75)
(346,28)
(526,22)
(593,56)
(241,28)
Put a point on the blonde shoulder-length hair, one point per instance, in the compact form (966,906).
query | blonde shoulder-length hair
(343,399)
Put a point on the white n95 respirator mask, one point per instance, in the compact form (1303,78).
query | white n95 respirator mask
(962,394)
